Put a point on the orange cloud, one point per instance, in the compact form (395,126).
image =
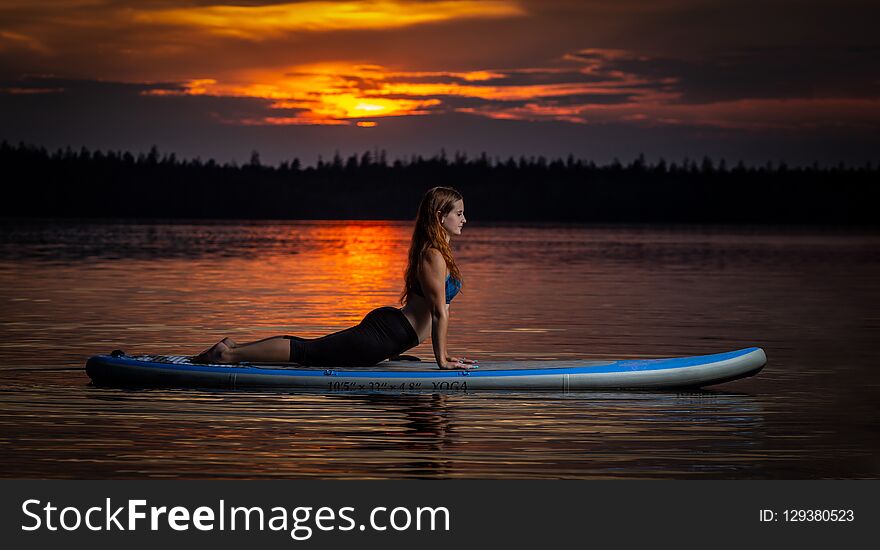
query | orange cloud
(334,93)
(269,21)
(586,93)
(319,93)
(9,40)
(333,106)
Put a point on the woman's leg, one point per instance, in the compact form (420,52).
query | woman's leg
(383,333)
(227,341)
(271,350)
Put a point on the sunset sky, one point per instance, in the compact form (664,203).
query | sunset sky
(793,81)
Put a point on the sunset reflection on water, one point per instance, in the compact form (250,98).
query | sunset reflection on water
(71,290)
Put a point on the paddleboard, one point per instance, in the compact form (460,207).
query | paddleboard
(119,369)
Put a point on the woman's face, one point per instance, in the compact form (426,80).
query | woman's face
(454,220)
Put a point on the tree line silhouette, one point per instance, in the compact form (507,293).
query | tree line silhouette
(95,184)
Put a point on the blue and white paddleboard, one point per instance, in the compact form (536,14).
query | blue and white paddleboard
(119,369)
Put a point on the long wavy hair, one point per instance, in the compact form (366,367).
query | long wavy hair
(429,233)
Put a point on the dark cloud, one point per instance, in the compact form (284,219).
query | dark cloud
(588,99)
(427,79)
(776,73)
(453,102)
(450,103)
(542,77)
(82,88)
(531,77)
(683,28)
(120,115)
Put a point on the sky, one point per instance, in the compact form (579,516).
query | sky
(757,81)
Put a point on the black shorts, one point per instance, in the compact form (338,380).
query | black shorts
(384,332)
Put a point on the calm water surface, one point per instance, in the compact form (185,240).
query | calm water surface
(810,298)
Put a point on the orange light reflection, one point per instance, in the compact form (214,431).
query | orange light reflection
(363,261)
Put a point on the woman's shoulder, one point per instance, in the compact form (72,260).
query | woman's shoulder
(432,255)
(433,261)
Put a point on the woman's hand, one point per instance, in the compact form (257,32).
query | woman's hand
(456,363)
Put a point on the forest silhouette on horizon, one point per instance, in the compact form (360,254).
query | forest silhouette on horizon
(82,183)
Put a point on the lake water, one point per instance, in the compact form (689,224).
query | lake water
(810,298)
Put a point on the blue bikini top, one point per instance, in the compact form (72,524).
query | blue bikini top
(453,286)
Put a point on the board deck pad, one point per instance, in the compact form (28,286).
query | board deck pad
(406,366)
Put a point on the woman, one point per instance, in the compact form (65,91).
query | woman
(432,281)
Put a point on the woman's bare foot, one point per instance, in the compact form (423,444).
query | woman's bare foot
(214,354)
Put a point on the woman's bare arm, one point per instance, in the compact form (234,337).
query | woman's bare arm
(432,276)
